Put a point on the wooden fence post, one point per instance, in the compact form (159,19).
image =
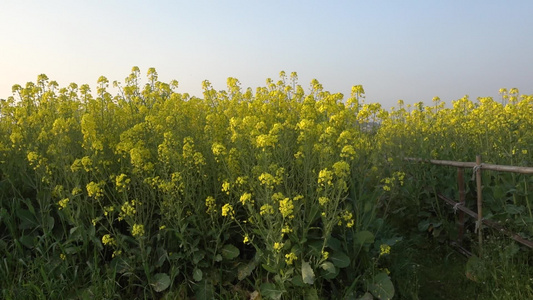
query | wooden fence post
(479,202)
(461,185)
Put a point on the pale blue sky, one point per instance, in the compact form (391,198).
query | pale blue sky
(410,50)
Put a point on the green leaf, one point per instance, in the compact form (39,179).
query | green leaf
(50,222)
(120,265)
(311,294)
(334,243)
(339,259)
(476,269)
(513,209)
(204,290)
(27,219)
(246,270)
(28,240)
(298,281)
(198,256)
(308,275)
(230,252)
(162,256)
(316,247)
(218,258)
(329,270)
(270,268)
(423,225)
(160,282)
(197,274)
(364,237)
(381,287)
(366,296)
(270,291)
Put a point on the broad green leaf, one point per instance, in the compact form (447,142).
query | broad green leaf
(513,209)
(197,274)
(198,256)
(270,291)
(364,237)
(316,247)
(204,290)
(334,243)
(308,276)
(366,296)
(381,287)
(311,294)
(270,268)
(161,257)
(423,225)
(329,270)
(476,269)
(298,281)
(28,240)
(230,252)
(160,282)
(246,270)
(339,259)
(120,265)
(27,219)
(50,222)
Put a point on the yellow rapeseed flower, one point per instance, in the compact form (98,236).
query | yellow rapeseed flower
(290,258)
(63,203)
(109,240)
(246,197)
(210,203)
(227,211)
(323,200)
(95,189)
(286,208)
(266,209)
(137,230)
(384,249)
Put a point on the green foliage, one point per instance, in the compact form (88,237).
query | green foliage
(277,193)
(166,194)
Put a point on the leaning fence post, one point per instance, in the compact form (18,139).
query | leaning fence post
(479,202)
(461,185)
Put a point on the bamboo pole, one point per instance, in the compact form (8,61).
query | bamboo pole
(451,163)
(479,203)
(490,223)
(461,185)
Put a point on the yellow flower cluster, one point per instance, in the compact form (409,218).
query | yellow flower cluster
(211,205)
(286,208)
(347,218)
(384,249)
(266,209)
(137,230)
(325,178)
(226,186)
(323,200)
(246,198)
(278,246)
(227,211)
(246,239)
(95,190)
(122,181)
(63,203)
(290,258)
(268,180)
(128,209)
(108,240)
